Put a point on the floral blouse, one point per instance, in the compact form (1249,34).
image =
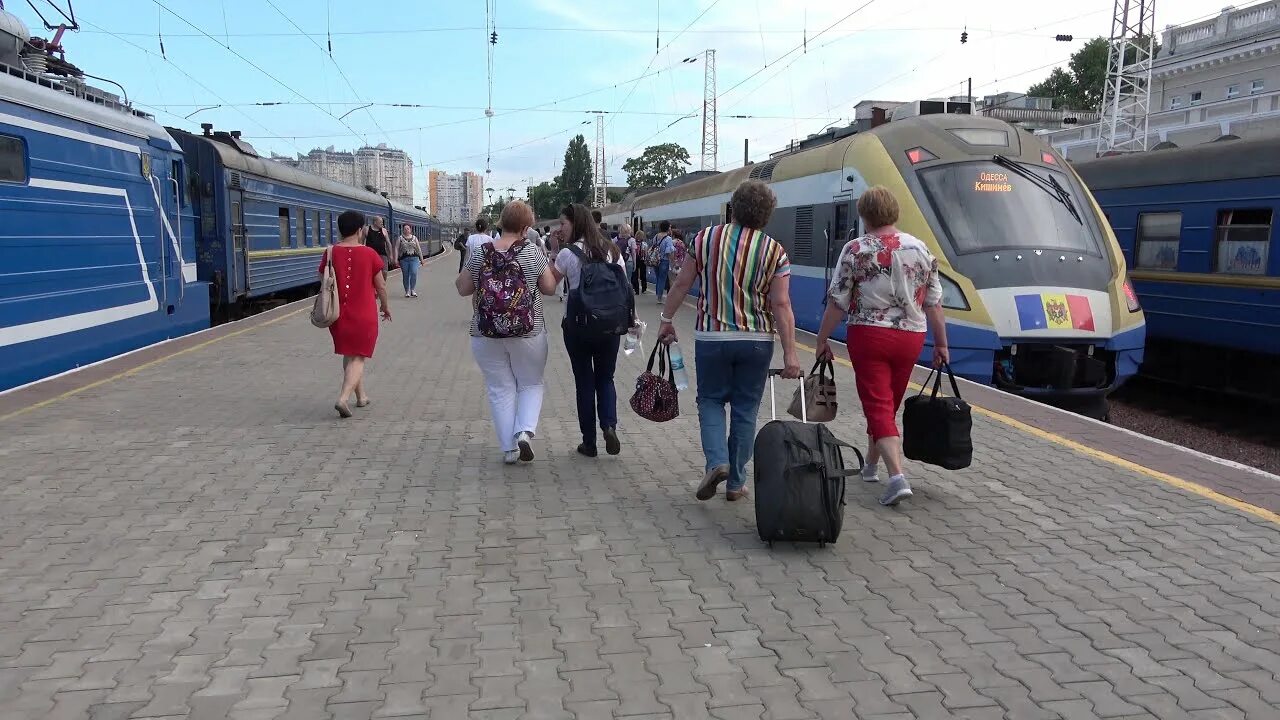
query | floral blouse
(886,281)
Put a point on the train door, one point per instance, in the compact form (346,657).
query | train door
(158,179)
(844,219)
(239,247)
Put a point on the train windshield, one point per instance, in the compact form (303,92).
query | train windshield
(987,206)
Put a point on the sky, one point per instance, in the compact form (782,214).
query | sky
(792,68)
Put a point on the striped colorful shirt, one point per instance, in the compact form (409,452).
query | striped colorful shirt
(736,269)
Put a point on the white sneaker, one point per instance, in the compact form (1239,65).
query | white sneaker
(408,295)
(511,457)
(524,442)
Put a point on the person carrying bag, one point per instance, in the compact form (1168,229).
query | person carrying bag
(937,430)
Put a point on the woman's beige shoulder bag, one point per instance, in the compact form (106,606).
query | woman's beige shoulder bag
(325,312)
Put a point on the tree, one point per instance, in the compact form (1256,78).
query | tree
(615,196)
(575,180)
(657,165)
(547,198)
(1081,86)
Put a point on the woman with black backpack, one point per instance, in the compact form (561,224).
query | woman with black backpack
(599,312)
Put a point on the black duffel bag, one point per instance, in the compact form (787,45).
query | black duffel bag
(936,430)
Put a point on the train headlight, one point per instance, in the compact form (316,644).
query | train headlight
(1131,296)
(952,296)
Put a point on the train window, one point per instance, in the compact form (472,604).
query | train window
(284,227)
(315,228)
(984,206)
(1242,242)
(1157,242)
(13,160)
(302,228)
(175,173)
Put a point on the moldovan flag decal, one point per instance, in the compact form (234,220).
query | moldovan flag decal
(1054,312)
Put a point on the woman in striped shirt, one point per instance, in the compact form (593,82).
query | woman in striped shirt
(744,279)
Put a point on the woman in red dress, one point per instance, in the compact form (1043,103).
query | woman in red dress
(359,273)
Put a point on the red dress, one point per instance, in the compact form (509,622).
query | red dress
(356,331)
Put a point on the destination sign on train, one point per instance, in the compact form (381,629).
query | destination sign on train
(992,182)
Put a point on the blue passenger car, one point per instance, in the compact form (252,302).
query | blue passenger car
(97,244)
(1197,226)
(263,224)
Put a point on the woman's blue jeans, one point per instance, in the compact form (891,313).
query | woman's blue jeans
(733,373)
(409,273)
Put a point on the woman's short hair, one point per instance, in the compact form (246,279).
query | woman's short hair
(516,216)
(753,204)
(640,235)
(878,207)
(350,222)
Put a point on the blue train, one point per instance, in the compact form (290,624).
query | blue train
(262,225)
(118,233)
(1196,224)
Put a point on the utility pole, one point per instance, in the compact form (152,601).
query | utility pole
(601,194)
(746,156)
(1126,97)
(710,140)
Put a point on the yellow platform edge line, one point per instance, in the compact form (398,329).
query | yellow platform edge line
(1163,477)
(178,353)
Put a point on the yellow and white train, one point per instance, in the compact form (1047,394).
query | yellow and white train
(1036,291)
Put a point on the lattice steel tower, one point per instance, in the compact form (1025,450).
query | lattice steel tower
(1126,98)
(710,142)
(600,196)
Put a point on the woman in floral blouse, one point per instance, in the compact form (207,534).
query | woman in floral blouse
(887,283)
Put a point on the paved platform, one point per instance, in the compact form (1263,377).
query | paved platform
(201,537)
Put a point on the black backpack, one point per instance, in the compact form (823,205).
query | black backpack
(602,305)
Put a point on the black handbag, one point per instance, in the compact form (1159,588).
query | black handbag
(937,430)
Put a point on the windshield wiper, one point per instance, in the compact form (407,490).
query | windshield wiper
(1051,185)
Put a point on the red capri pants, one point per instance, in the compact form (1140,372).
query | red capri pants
(882,362)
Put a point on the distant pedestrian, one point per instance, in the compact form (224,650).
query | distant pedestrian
(627,247)
(592,357)
(460,244)
(507,278)
(479,237)
(640,275)
(744,279)
(360,274)
(408,252)
(887,282)
(378,240)
(661,249)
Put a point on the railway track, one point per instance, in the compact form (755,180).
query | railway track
(1232,428)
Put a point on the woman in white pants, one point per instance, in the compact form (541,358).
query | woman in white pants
(510,347)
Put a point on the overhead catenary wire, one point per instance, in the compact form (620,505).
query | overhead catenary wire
(259,68)
(738,84)
(336,66)
(189,76)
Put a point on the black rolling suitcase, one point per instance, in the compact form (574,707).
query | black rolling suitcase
(800,478)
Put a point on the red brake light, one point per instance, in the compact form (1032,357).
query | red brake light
(918,155)
(1047,158)
(1131,297)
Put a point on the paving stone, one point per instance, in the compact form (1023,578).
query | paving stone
(169,549)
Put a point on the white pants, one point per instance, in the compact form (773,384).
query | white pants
(512,371)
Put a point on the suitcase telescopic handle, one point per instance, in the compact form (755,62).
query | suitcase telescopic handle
(773,403)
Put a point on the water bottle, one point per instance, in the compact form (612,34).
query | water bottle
(632,341)
(677,367)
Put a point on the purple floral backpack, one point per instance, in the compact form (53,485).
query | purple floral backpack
(504,302)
